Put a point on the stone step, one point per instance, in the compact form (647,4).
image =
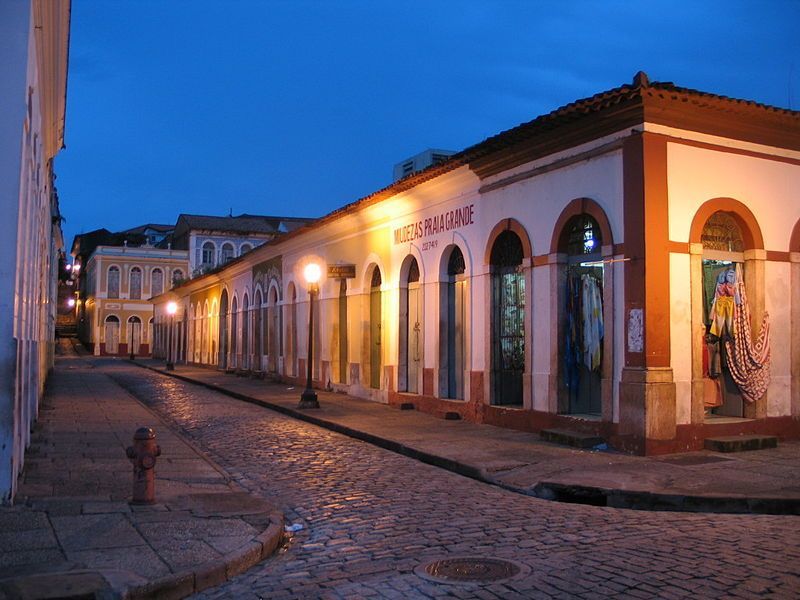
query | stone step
(740,443)
(575,439)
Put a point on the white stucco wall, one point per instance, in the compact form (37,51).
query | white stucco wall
(771,190)
(27,308)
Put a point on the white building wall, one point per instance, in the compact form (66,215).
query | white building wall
(26,231)
(696,175)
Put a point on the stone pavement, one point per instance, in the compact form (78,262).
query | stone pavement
(72,531)
(764,481)
(367,519)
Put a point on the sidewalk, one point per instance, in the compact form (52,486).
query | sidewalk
(73,533)
(762,481)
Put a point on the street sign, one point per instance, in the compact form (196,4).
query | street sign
(341,271)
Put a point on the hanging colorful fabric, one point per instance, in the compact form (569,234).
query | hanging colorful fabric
(592,322)
(749,362)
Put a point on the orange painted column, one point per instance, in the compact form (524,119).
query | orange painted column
(647,390)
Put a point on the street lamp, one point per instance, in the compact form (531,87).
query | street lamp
(172,308)
(312,273)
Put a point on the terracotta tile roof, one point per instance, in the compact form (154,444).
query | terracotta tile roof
(564,126)
(239,224)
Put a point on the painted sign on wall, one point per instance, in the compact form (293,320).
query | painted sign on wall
(446,221)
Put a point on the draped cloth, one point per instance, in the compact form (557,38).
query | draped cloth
(749,362)
(592,322)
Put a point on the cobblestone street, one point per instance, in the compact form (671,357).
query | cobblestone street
(370,517)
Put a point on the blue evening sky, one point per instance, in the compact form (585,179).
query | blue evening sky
(298,107)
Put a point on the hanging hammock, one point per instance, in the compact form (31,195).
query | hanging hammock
(748,362)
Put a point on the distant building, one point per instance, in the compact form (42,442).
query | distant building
(33,79)
(420,162)
(156,235)
(214,241)
(117,274)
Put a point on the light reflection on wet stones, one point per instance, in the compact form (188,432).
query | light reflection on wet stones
(371,517)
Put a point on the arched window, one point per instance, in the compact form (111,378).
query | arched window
(245,249)
(156,282)
(112,334)
(227,252)
(208,254)
(508,319)
(113,282)
(177,276)
(136,284)
(583,326)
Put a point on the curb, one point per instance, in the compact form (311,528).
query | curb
(568,493)
(213,573)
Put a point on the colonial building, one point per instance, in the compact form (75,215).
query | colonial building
(117,274)
(214,241)
(33,77)
(627,265)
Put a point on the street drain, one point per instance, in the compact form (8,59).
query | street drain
(470,570)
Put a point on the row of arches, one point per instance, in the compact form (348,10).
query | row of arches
(211,255)
(135,279)
(260,333)
(246,335)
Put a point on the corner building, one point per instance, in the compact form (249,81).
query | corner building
(613,267)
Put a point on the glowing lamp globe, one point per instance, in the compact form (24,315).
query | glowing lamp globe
(312,272)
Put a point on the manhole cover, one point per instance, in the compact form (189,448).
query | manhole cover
(469,570)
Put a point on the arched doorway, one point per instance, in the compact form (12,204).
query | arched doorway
(150,335)
(273,326)
(223,330)
(193,337)
(258,330)
(235,362)
(245,333)
(111,336)
(451,332)
(213,331)
(722,268)
(507,319)
(410,350)
(291,350)
(582,327)
(341,338)
(375,348)
(204,331)
(134,334)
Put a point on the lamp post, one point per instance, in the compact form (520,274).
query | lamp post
(172,308)
(312,272)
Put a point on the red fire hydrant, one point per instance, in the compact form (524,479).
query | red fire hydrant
(143,455)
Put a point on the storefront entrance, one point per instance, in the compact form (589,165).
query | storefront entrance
(375,354)
(508,320)
(583,329)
